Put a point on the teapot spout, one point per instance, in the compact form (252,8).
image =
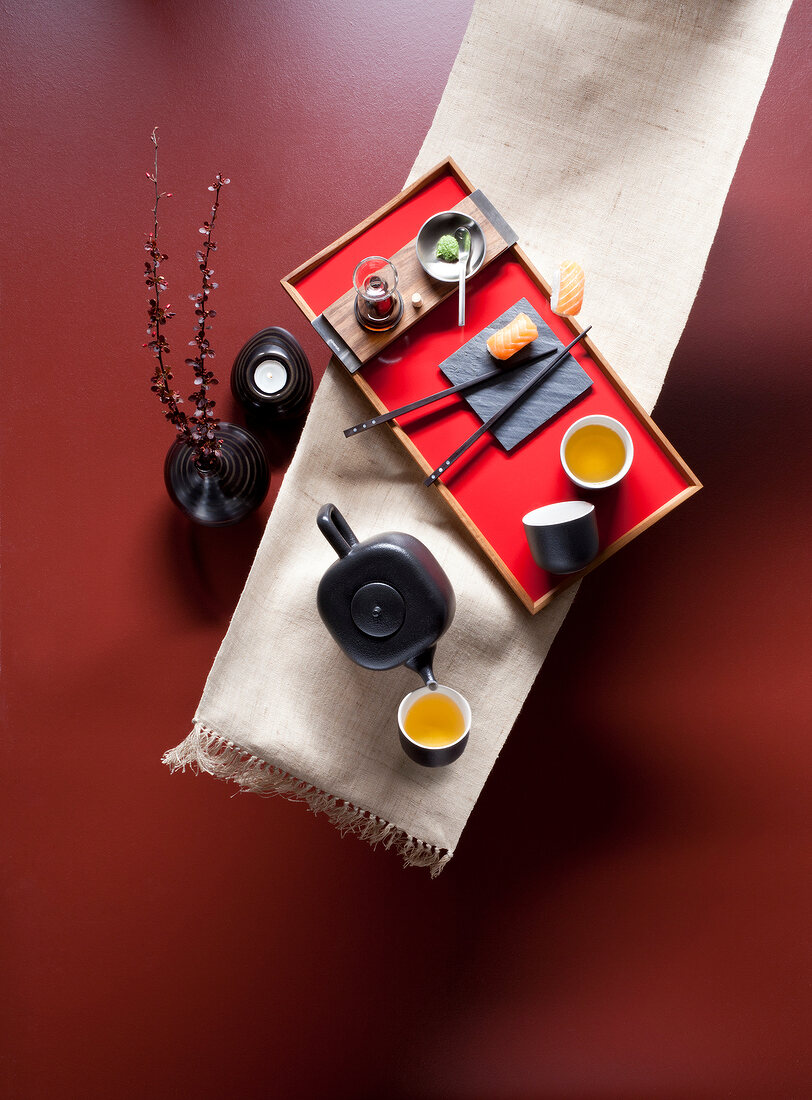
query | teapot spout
(422,665)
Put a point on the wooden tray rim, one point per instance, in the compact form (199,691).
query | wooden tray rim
(449,167)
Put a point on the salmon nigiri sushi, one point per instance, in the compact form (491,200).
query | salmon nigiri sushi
(508,340)
(568,289)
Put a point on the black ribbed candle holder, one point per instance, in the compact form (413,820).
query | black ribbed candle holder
(271,376)
(235,484)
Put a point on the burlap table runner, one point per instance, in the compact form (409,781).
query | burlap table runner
(606,132)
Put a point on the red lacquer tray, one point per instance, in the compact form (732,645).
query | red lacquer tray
(488,489)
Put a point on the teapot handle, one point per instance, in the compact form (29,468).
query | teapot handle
(336,530)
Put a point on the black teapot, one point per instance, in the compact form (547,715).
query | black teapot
(386,601)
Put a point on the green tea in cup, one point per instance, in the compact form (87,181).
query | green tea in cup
(434,723)
(596,452)
(434,719)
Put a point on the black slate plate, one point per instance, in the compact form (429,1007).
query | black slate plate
(565,384)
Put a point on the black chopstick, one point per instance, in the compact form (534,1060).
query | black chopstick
(523,392)
(461,387)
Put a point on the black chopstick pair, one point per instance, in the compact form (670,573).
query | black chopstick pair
(462,387)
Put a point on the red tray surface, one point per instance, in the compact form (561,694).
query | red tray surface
(493,488)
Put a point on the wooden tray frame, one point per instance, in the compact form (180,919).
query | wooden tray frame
(449,167)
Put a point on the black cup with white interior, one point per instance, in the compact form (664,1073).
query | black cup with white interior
(422,742)
(563,537)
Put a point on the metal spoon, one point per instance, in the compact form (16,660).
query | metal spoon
(464,239)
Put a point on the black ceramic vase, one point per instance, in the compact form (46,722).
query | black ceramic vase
(271,376)
(227,492)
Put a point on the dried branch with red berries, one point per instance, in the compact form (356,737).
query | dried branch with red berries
(200,430)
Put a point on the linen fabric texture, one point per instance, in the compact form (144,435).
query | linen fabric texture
(605,131)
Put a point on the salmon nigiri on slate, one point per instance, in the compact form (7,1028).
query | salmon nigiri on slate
(508,340)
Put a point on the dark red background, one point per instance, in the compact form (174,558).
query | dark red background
(628,911)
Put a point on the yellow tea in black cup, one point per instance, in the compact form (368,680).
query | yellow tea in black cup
(596,452)
(434,724)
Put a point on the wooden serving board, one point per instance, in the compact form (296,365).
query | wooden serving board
(412,279)
(489,489)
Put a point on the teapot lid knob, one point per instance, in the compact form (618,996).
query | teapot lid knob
(378,609)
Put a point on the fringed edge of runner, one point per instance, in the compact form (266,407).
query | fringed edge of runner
(206,751)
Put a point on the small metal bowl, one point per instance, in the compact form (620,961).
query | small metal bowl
(426,245)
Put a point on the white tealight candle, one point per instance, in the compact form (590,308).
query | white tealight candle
(270,376)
